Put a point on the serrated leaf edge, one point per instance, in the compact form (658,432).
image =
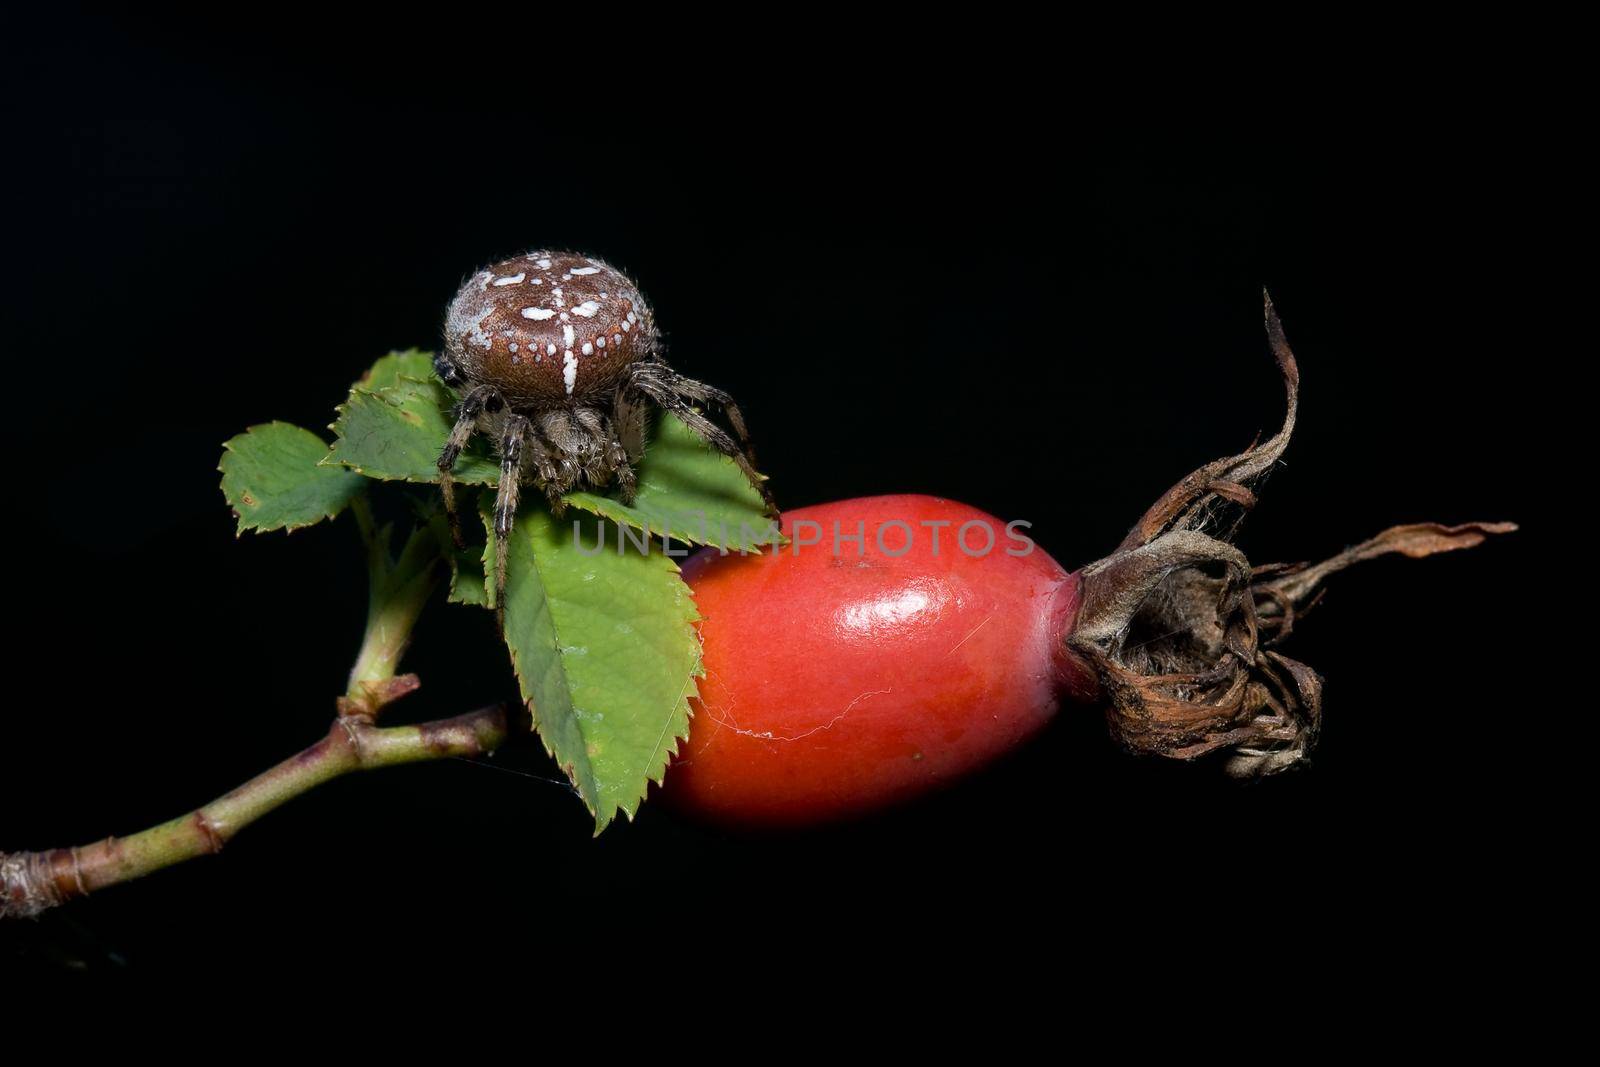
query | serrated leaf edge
(332,459)
(683,702)
(286,527)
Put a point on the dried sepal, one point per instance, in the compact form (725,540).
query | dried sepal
(1285,592)
(1175,623)
(1195,502)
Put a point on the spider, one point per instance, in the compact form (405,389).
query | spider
(557,357)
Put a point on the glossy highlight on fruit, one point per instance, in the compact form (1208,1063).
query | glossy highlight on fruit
(876,658)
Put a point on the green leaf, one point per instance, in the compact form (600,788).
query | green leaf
(605,652)
(395,433)
(466,564)
(388,371)
(467,581)
(273,478)
(690,492)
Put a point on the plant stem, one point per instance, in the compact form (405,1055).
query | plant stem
(31,882)
(398,591)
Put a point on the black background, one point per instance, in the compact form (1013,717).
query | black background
(909,288)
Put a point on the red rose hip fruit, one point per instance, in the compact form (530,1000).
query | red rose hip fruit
(902,641)
(896,644)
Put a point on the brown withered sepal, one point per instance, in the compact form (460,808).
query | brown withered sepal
(1179,627)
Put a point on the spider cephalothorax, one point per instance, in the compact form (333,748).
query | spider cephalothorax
(556,356)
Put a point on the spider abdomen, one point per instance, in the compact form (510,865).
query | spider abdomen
(547,328)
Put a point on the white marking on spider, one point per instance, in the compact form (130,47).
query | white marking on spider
(538,314)
(588,349)
(550,349)
(586,270)
(569,335)
(569,371)
(515,279)
(626,325)
(544,264)
(587,309)
(462,322)
(600,341)
(556,292)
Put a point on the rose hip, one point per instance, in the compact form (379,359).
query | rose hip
(881,655)
(842,677)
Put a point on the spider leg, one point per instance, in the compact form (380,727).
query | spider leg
(505,502)
(706,394)
(621,465)
(446,369)
(565,450)
(539,457)
(627,480)
(473,405)
(630,414)
(711,394)
(600,450)
(673,392)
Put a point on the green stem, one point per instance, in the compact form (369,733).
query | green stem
(398,591)
(31,882)
(400,587)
